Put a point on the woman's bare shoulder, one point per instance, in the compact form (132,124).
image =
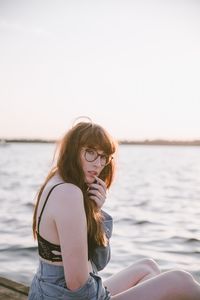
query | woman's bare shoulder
(66,196)
(67,187)
(58,186)
(68,211)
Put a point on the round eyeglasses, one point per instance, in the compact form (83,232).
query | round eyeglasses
(91,155)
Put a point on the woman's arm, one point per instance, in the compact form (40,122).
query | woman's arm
(71,223)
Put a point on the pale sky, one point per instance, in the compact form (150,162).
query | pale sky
(132,66)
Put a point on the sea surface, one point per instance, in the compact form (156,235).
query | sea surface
(154,201)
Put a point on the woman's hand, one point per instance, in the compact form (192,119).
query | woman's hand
(97,192)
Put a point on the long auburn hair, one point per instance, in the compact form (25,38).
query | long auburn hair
(68,165)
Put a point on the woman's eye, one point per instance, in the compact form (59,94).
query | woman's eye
(104,157)
(90,151)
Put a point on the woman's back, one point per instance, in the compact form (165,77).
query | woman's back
(47,227)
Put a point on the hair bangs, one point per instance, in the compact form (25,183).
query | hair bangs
(97,138)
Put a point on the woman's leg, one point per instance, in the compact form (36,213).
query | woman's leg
(172,285)
(136,273)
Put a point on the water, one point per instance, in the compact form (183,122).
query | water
(155,203)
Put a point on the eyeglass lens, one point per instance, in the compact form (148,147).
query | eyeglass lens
(92,155)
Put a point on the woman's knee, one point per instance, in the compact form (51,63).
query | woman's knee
(182,277)
(151,266)
(182,281)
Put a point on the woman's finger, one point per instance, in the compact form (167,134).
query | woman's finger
(97,187)
(101,183)
(98,201)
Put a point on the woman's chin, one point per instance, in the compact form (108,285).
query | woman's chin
(89,180)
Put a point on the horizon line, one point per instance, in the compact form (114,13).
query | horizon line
(158,141)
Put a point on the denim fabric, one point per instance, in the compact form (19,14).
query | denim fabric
(101,255)
(49,283)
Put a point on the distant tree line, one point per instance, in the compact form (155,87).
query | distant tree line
(121,142)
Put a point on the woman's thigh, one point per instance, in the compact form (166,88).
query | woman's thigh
(172,285)
(137,272)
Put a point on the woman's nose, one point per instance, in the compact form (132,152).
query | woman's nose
(97,161)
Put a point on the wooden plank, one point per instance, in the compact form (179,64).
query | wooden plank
(11,290)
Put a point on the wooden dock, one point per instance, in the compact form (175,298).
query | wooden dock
(11,290)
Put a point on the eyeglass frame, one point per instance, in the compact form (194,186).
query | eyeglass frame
(98,155)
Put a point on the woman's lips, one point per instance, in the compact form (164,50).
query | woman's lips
(92,173)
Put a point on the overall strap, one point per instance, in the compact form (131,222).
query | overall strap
(39,218)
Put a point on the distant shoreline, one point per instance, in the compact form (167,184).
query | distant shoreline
(159,142)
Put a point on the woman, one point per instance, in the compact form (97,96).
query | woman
(73,231)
